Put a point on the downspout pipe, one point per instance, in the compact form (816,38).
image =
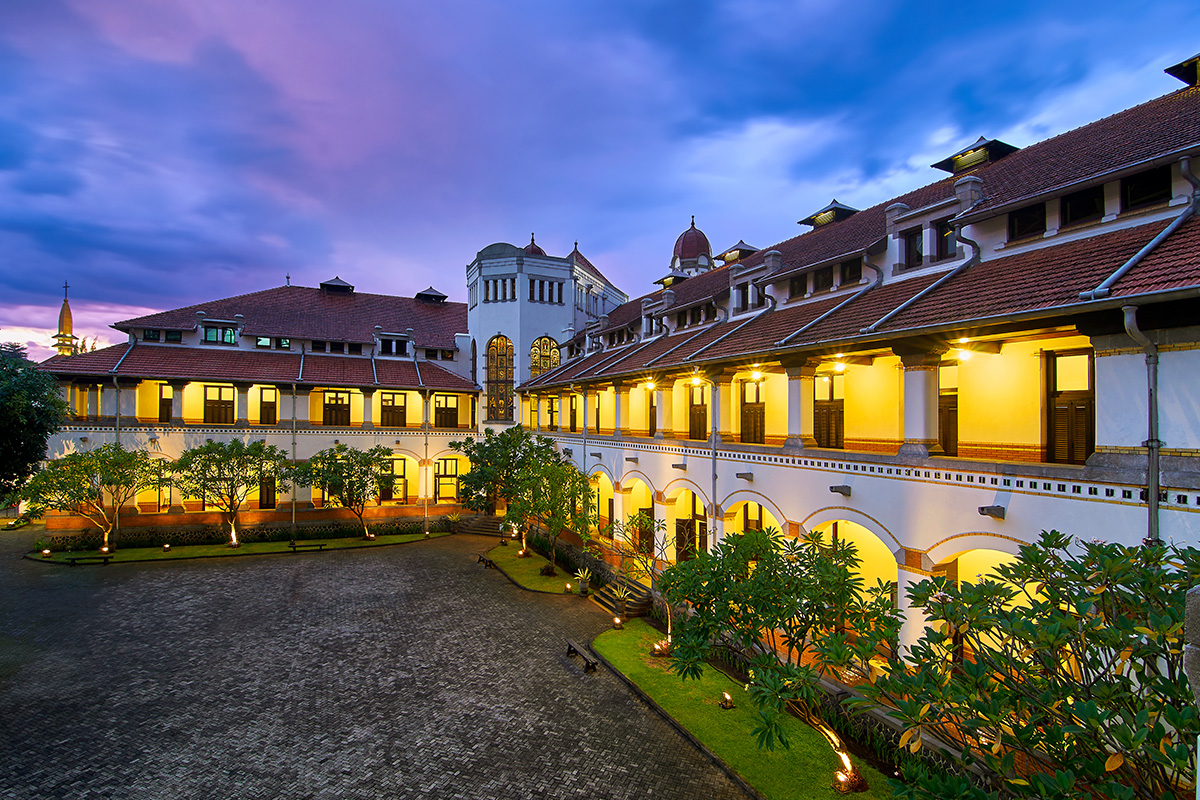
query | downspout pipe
(1105,288)
(961,268)
(872,285)
(1152,443)
(294,453)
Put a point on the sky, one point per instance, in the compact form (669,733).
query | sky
(159,153)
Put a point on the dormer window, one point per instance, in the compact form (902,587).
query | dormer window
(220,334)
(1149,188)
(947,242)
(1083,206)
(834,212)
(150,335)
(981,152)
(852,270)
(823,279)
(263,342)
(173,336)
(914,248)
(797,286)
(1027,222)
(319,346)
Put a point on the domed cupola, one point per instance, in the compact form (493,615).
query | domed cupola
(533,249)
(693,253)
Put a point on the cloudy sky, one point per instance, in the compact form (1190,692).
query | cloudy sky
(157,153)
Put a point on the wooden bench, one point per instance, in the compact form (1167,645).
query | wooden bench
(487,562)
(313,546)
(89,560)
(575,648)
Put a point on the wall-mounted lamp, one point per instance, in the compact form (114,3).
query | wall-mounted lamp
(746,476)
(595,455)
(996,512)
(679,466)
(843,489)
(83,439)
(568,452)
(335,441)
(631,459)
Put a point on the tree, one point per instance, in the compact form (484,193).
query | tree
(496,461)
(349,477)
(1061,678)
(559,495)
(793,607)
(81,482)
(641,545)
(31,410)
(224,474)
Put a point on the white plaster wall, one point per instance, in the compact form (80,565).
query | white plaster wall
(1121,400)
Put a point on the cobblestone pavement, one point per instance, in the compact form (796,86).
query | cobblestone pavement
(407,672)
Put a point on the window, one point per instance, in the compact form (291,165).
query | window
(1071,428)
(698,413)
(753,413)
(1027,222)
(691,534)
(174,336)
(283,343)
(1082,206)
(651,413)
(165,404)
(532,289)
(385,347)
(219,335)
(393,409)
(1148,188)
(499,378)
(797,286)
(696,316)
(948,408)
(596,423)
(336,409)
(266,492)
(743,296)
(218,405)
(574,412)
(318,346)
(397,490)
(445,411)
(447,355)
(752,517)
(828,412)
(355,348)
(262,341)
(431,355)
(823,279)
(552,414)
(852,271)
(150,335)
(445,480)
(914,247)
(947,243)
(267,408)
(543,356)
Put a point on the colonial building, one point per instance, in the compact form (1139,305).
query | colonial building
(937,378)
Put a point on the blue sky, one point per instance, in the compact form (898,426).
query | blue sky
(156,153)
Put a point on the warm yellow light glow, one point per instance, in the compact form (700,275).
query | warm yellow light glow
(964,355)
(963,340)
(839,355)
(650,386)
(45,554)
(756,376)
(695,381)
(104,549)
(839,367)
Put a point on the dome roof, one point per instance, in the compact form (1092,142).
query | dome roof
(692,243)
(533,249)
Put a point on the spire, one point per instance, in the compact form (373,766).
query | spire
(64,340)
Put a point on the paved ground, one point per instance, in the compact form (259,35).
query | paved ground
(400,672)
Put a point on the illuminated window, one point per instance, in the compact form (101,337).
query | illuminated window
(336,409)
(499,379)
(754,417)
(267,408)
(393,409)
(445,411)
(543,356)
(219,335)
(218,405)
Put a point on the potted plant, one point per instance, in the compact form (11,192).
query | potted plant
(621,593)
(452,522)
(584,576)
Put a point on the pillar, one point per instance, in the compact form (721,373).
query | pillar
(914,617)
(107,398)
(920,405)
(300,409)
(127,401)
(666,412)
(801,395)
(724,421)
(243,403)
(368,414)
(662,412)
(177,388)
(620,502)
(536,400)
(586,410)
(621,426)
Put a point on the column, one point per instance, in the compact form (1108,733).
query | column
(564,412)
(725,421)
(177,388)
(914,617)
(920,404)
(536,400)
(620,502)
(660,412)
(243,403)
(621,426)
(585,402)
(127,401)
(664,539)
(300,410)
(666,412)
(107,398)
(368,400)
(801,393)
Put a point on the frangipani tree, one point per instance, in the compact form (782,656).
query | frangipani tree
(561,497)
(91,483)
(224,474)
(349,477)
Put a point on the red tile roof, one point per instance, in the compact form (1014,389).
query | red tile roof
(300,312)
(162,362)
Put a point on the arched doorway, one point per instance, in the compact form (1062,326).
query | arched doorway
(877,562)
(602,486)
(499,379)
(691,526)
(749,515)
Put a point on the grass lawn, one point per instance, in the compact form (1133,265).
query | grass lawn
(121,555)
(525,570)
(801,772)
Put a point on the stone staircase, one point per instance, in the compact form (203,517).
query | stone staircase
(482,525)
(637,605)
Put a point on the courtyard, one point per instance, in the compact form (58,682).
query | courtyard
(404,671)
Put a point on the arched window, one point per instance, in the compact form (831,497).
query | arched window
(499,382)
(543,356)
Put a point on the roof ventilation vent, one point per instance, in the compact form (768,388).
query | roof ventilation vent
(981,152)
(432,296)
(337,286)
(834,212)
